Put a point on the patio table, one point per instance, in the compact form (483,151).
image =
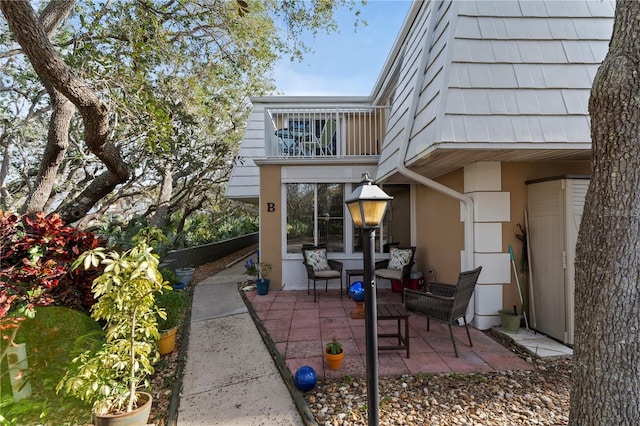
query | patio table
(395,312)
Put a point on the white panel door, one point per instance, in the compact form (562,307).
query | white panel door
(545,207)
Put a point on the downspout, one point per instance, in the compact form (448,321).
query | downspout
(402,169)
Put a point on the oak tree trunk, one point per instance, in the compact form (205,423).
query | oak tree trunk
(5,146)
(606,363)
(57,144)
(32,33)
(164,198)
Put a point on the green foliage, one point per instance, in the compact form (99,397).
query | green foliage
(334,347)
(123,236)
(125,302)
(200,228)
(257,269)
(179,103)
(53,338)
(151,236)
(174,303)
(218,223)
(36,253)
(169,276)
(385,402)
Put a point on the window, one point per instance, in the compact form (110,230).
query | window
(315,215)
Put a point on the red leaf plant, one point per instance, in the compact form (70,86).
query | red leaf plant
(36,253)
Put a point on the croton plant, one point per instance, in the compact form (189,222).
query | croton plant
(36,253)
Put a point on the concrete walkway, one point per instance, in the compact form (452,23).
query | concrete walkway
(537,344)
(230,378)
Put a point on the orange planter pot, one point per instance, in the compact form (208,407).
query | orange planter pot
(334,361)
(167,341)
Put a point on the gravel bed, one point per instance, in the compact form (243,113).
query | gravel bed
(536,397)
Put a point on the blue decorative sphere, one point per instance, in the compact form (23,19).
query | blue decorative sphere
(305,378)
(356,291)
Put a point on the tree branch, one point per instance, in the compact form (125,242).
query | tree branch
(55,73)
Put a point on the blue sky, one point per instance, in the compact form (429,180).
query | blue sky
(345,63)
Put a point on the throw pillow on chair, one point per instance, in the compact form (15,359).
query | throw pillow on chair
(317,259)
(398,258)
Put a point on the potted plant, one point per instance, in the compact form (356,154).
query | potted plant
(185,275)
(174,305)
(171,278)
(334,354)
(258,272)
(111,377)
(511,319)
(251,269)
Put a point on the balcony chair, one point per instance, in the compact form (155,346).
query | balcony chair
(290,140)
(320,268)
(327,140)
(444,302)
(398,266)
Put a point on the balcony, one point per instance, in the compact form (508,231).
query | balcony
(324,132)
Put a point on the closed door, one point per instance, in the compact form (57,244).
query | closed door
(545,207)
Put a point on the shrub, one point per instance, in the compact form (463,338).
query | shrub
(36,253)
(174,303)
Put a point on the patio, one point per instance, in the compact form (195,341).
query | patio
(300,328)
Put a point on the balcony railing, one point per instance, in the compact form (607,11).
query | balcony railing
(314,132)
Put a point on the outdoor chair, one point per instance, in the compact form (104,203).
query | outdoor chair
(444,302)
(319,267)
(327,141)
(291,140)
(398,266)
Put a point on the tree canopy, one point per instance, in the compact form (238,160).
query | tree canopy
(136,106)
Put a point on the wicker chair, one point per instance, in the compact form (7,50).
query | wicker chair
(444,302)
(401,274)
(319,267)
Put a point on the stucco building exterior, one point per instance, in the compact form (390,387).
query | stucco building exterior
(476,99)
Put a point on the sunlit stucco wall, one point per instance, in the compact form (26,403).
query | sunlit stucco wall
(514,176)
(439,232)
(270,221)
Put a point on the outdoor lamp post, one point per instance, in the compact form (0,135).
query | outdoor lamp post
(367,205)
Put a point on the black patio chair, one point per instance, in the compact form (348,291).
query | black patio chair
(444,302)
(319,267)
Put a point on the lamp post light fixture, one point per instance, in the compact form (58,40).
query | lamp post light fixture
(367,205)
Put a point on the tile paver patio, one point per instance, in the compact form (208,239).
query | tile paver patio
(300,328)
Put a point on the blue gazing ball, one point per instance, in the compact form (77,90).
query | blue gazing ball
(356,291)
(305,378)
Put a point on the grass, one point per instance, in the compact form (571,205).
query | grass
(53,338)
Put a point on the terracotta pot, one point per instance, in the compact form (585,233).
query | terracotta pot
(334,361)
(167,341)
(138,417)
